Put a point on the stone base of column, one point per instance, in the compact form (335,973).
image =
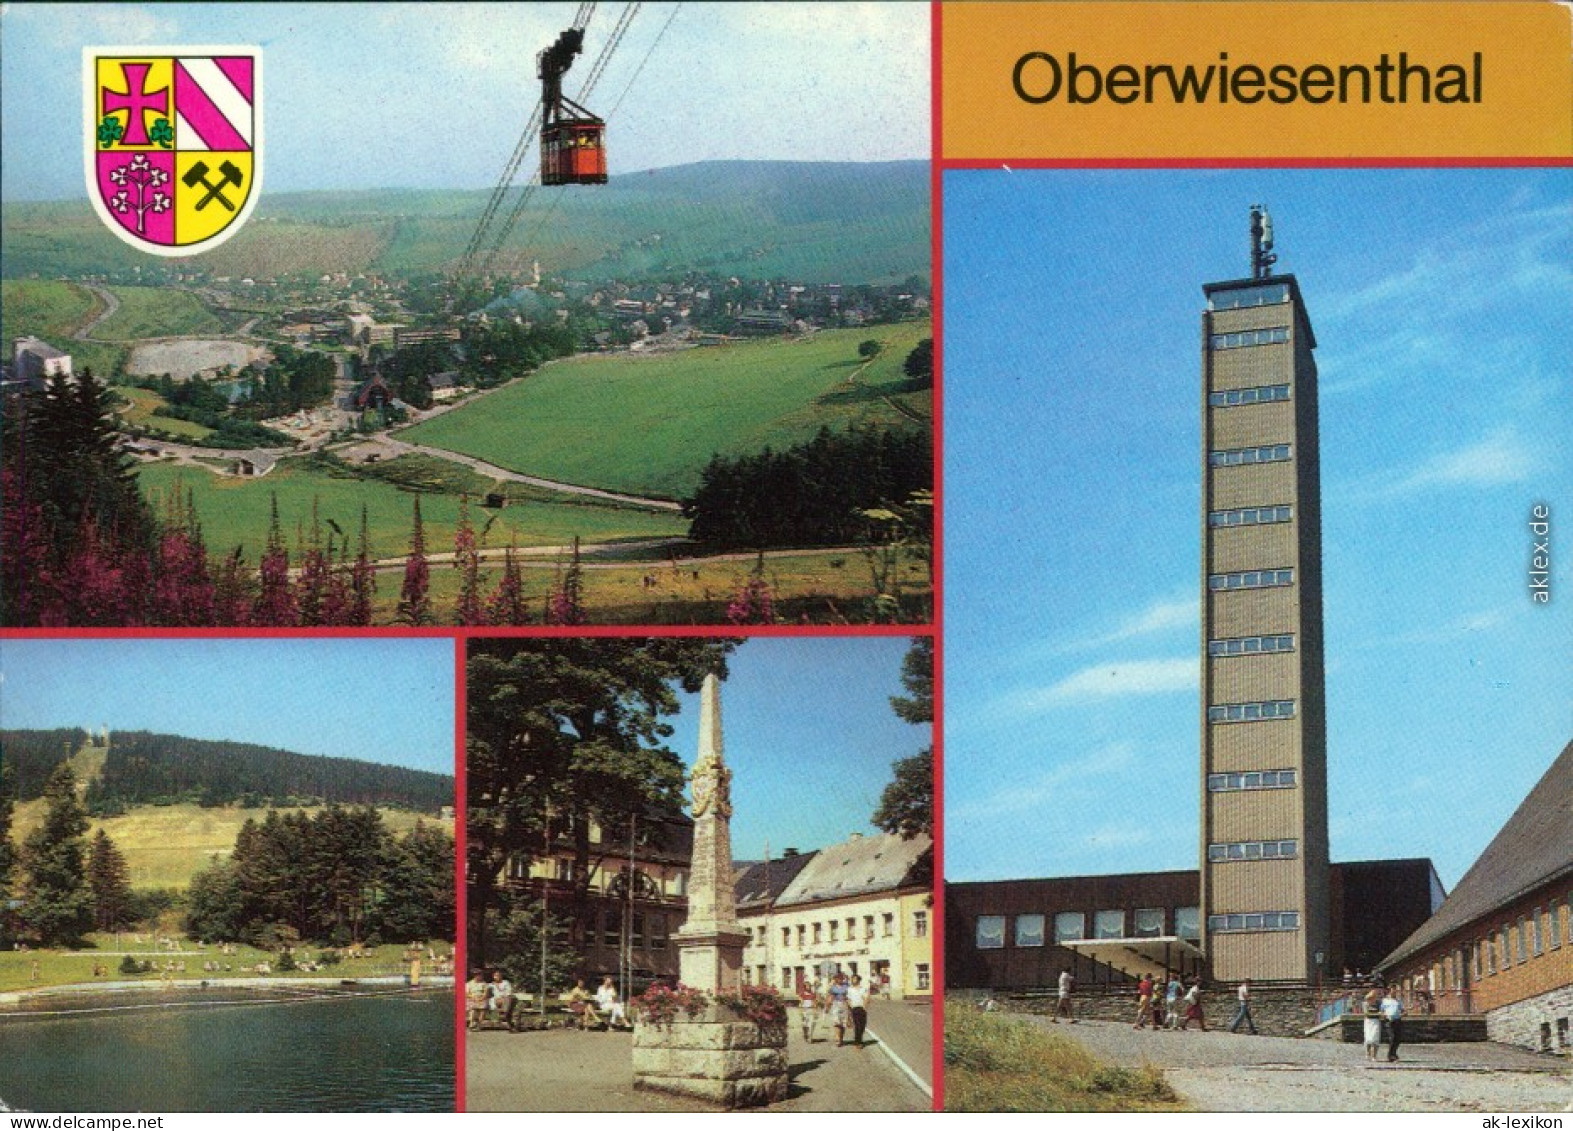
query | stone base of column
(710,960)
(716,1056)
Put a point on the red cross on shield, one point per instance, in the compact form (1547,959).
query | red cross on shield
(173,140)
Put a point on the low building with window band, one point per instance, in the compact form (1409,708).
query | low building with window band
(1007,936)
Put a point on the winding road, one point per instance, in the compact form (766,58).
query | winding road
(111,304)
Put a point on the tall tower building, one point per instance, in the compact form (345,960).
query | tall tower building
(1264,868)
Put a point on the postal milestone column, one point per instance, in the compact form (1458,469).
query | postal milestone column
(1264,869)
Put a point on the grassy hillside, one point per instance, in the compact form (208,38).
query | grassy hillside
(235,512)
(44,308)
(844,222)
(650,424)
(165,845)
(154,312)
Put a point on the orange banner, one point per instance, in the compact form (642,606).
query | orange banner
(1254,80)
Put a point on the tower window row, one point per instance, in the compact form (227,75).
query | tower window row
(1250,516)
(1251,712)
(1253,850)
(1251,579)
(1250,645)
(1267,295)
(1257,394)
(1255,921)
(1253,779)
(1269,336)
(1234,457)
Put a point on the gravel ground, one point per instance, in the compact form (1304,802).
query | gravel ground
(1220,1071)
(566,1070)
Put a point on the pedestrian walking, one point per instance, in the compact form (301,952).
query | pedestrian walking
(1243,1012)
(1371,1010)
(857,1002)
(1143,1001)
(1171,1001)
(808,994)
(1393,1013)
(1063,1005)
(840,1013)
(1193,1006)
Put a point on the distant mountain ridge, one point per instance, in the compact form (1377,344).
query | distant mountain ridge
(845,222)
(143,768)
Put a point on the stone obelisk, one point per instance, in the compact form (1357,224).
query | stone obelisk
(722,1050)
(710,942)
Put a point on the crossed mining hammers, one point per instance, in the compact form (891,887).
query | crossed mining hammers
(198,175)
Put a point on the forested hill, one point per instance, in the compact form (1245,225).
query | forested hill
(150,769)
(30,756)
(829,222)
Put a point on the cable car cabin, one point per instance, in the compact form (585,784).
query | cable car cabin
(573,152)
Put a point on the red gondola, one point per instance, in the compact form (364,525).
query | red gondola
(573,149)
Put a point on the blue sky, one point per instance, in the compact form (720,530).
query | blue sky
(388,701)
(1442,302)
(810,737)
(435,96)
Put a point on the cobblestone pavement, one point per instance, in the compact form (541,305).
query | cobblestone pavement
(1221,1071)
(567,1070)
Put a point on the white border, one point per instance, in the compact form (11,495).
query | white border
(90,139)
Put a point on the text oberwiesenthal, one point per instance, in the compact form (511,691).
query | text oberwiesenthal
(1041,77)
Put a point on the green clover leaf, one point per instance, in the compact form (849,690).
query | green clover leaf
(110,131)
(162,134)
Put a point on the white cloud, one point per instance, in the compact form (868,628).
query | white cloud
(68,26)
(1502,457)
(1160,616)
(1055,786)
(1111,680)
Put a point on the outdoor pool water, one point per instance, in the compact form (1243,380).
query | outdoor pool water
(310,1054)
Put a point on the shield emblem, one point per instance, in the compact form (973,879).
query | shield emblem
(173,142)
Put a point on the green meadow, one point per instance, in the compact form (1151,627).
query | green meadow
(236,512)
(808,586)
(165,845)
(649,424)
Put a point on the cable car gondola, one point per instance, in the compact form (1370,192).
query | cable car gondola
(573,140)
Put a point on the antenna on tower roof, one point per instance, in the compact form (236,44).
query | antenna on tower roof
(1262,257)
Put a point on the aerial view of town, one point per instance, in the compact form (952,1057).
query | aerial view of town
(697,393)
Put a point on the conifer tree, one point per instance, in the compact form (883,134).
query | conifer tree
(467,560)
(414,602)
(276,601)
(565,603)
(312,586)
(109,879)
(363,579)
(507,603)
(7,850)
(57,904)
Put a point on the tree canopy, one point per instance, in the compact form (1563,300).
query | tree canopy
(569,727)
(906,807)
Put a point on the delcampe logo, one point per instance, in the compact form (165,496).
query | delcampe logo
(173,142)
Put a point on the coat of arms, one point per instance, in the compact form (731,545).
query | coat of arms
(174,142)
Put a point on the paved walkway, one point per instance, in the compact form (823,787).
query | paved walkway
(1221,1071)
(567,1070)
(907,1032)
